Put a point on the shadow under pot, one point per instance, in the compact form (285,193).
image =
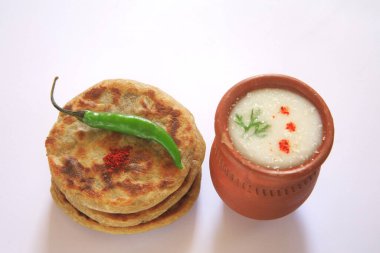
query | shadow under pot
(272,134)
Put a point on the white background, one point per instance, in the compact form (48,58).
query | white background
(195,51)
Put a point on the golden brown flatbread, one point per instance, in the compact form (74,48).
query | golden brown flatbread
(133,219)
(76,151)
(175,212)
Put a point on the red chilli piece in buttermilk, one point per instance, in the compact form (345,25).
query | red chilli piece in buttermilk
(284,146)
(291,127)
(117,159)
(284,110)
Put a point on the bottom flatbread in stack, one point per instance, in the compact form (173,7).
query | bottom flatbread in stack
(172,214)
(145,190)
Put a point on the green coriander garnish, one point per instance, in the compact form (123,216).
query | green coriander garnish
(259,127)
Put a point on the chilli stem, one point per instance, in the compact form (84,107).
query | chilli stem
(77,114)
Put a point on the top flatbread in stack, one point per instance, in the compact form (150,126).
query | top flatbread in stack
(75,152)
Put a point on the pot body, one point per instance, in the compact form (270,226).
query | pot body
(253,195)
(258,192)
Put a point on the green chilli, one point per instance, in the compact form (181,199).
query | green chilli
(125,124)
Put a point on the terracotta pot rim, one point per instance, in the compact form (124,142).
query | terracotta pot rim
(274,81)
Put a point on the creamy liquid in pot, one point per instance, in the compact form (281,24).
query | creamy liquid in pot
(275,128)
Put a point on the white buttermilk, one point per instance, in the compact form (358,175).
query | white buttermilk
(294,134)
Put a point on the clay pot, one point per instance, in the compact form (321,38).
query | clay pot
(253,190)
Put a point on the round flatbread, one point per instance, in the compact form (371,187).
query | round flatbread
(133,219)
(76,151)
(174,213)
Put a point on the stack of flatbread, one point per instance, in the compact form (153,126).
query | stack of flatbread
(144,190)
